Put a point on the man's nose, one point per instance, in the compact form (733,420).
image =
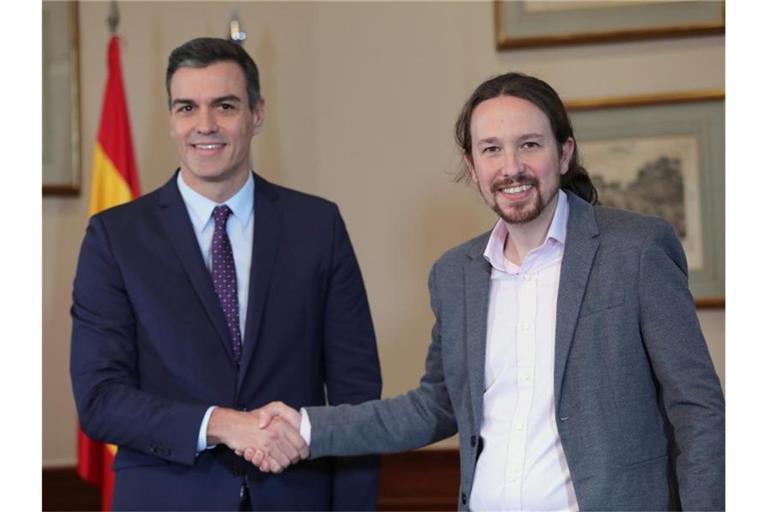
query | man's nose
(206,122)
(512,166)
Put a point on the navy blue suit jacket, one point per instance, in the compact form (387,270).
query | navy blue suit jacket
(150,350)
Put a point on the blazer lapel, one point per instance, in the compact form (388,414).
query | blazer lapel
(267,227)
(581,246)
(477,279)
(174,219)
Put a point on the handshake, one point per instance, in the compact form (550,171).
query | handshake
(267,437)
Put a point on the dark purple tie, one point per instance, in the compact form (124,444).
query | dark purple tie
(225,278)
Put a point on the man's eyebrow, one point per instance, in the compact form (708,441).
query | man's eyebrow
(231,98)
(182,101)
(227,98)
(524,136)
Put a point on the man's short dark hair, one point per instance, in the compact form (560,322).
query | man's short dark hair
(538,92)
(204,51)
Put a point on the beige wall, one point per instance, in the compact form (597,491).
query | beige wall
(361,98)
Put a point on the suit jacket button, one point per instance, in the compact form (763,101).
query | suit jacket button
(473,441)
(463,499)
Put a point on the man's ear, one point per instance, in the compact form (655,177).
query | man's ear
(258,115)
(470,167)
(566,153)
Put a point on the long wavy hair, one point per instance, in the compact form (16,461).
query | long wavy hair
(538,92)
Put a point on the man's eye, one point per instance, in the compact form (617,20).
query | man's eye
(531,145)
(184,108)
(490,149)
(226,106)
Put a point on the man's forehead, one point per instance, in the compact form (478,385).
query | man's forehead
(508,113)
(214,80)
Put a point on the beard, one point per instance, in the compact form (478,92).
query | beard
(523,212)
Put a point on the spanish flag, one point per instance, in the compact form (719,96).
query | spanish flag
(115,181)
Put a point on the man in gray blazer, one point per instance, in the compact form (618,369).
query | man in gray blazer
(566,349)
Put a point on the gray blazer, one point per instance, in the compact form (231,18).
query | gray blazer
(638,405)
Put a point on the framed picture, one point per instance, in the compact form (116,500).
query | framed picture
(61,99)
(664,156)
(521,23)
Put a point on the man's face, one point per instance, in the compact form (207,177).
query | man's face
(515,159)
(212,123)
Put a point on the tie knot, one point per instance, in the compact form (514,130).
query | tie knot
(221,214)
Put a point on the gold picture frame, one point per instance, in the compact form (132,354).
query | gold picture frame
(664,155)
(61,173)
(527,24)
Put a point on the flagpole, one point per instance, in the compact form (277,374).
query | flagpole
(114,181)
(113,20)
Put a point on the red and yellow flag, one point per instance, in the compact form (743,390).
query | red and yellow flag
(115,181)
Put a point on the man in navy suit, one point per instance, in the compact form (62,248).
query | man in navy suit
(167,362)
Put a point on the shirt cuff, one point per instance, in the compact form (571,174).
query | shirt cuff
(202,437)
(305,429)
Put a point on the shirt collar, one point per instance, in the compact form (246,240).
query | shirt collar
(200,207)
(494,249)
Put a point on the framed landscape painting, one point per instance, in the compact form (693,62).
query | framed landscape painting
(664,156)
(535,23)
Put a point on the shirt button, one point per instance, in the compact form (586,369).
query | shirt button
(527,277)
(525,377)
(526,326)
(519,427)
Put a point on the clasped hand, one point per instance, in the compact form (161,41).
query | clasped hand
(267,437)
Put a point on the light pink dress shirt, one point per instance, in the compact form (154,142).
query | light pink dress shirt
(522,465)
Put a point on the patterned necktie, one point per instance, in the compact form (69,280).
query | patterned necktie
(225,278)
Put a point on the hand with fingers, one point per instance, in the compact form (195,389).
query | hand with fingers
(284,423)
(280,444)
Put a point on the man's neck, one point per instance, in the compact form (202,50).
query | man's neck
(524,237)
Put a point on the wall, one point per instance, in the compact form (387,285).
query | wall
(361,98)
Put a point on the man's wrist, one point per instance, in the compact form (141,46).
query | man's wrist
(219,425)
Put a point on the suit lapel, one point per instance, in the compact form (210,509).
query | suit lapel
(267,227)
(477,279)
(580,248)
(174,219)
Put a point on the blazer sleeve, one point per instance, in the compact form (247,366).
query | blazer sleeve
(417,418)
(689,387)
(111,406)
(352,372)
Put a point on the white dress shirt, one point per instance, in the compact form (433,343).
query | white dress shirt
(522,465)
(240,232)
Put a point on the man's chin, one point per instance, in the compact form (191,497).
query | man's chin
(519,214)
(211,175)
(518,218)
